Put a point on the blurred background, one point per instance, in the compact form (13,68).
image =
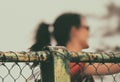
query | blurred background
(19,20)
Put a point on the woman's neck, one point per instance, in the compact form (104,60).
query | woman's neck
(75,47)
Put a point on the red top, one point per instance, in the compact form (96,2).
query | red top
(76,74)
(75,68)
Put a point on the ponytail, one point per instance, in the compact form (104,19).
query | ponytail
(42,37)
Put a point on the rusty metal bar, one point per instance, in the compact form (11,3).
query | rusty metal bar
(95,57)
(100,57)
(23,56)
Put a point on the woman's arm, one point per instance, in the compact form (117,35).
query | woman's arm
(101,69)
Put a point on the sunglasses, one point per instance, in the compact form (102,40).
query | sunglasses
(86,27)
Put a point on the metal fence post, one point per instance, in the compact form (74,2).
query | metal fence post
(57,68)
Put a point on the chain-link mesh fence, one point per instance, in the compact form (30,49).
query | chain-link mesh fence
(18,72)
(17,66)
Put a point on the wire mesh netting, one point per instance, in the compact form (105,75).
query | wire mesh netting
(22,72)
(18,72)
(17,66)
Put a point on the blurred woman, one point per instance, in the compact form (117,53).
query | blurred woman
(71,31)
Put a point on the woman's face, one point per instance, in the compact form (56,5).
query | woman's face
(81,34)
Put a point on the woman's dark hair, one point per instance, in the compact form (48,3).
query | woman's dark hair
(62,27)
